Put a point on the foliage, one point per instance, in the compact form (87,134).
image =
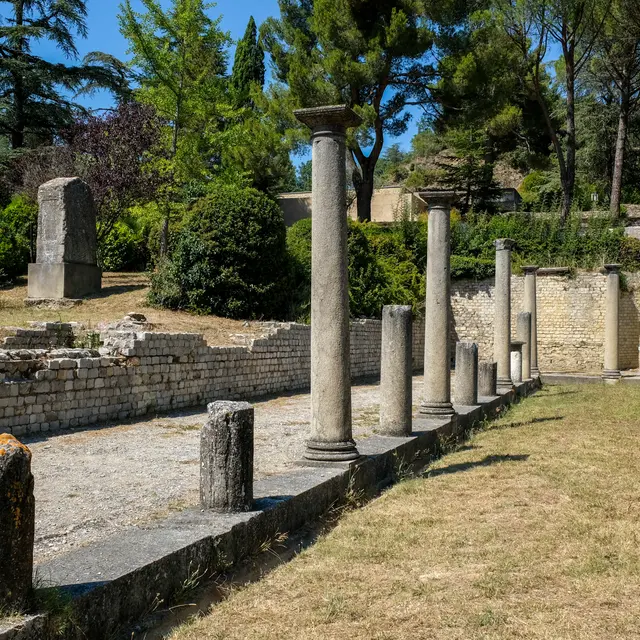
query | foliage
(37,95)
(229,259)
(466,268)
(18,231)
(123,249)
(248,66)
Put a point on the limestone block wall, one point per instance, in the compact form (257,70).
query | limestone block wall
(42,335)
(138,373)
(570,319)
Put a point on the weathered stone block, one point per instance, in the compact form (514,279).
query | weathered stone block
(17,524)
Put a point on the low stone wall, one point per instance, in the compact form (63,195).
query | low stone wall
(43,335)
(570,319)
(138,373)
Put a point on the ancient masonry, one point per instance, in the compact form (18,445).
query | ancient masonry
(137,373)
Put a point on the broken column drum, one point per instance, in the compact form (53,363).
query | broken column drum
(395,371)
(523,334)
(437,374)
(487,379)
(331,430)
(466,389)
(516,361)
(531,305)
(502,316)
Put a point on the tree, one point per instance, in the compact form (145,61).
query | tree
(616,65)
(180,62)
(304,179)
(574,26)
(248,65)
(373,56)
(33,106)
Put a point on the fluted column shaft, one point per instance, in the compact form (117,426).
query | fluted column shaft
(502,317)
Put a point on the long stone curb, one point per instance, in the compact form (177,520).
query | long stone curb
(117,581)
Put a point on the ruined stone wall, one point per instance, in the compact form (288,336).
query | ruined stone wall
(570,319)
(147,372)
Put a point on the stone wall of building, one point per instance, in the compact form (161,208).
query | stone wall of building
(570,319)
(138,373)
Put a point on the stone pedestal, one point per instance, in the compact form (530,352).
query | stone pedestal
(611,373)
(466,389)
(331,433)
(395,371)
(226,458)
(531,305)
(523,333)
(488,379)
(17,525)
(502,318)
(66,260)
(516,361)
(437,369)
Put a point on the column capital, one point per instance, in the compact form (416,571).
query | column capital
(530,269)
(437,199)
(504,244)
(328,119)
(612,268)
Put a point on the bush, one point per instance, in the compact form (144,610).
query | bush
(124,249)
(630,254)
(463,268)
(18,233)
(229,259)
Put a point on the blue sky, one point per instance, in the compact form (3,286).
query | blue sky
(104,35)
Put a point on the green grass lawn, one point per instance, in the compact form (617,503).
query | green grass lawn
(528,530)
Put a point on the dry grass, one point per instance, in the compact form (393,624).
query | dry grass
(122,293)
(530,531)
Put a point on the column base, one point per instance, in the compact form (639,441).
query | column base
(535,372)
(611,376)
(437,409)
(331,451)
(505,384)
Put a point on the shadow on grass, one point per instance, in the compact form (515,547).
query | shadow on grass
(485,462)
(515,425)
(111,290)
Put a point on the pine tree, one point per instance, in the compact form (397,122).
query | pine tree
(248,65)
(33,104)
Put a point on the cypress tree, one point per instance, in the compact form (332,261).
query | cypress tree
(248,65)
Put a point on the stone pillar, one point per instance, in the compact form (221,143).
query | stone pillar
(331,435)
(66,253)
(531,305)
(487,379)
(395,371)
(502,318)
(437,369)
(523,333)
(226,458)
(516,361)
(466,391)
(17,524)
(611,373)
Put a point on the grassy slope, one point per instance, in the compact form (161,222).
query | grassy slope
(530,530)
(121,293)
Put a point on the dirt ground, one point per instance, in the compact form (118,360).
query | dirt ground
(121,294)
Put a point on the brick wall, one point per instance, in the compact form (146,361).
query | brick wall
(570,319)
(140,373)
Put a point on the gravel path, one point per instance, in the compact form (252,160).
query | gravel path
(90,483)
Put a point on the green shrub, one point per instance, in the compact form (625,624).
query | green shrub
(630,254)
(464,268)
(18,233)
(124,249)
(229,259)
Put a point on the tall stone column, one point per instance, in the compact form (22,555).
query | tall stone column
(523,334)
(531,305)
(437,373)
(611,373)
(331,435)
(502,318)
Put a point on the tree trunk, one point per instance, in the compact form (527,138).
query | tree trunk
(570,180)
(19,97)
(364,193)
(618,164)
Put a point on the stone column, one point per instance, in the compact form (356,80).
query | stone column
(531,305)
(331,435)
(226,458)
(523,333)
(466,391)
(437,369)
(17,524)
(395,371)
(502,318)
(516,361)
(487,379)
(611,373)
